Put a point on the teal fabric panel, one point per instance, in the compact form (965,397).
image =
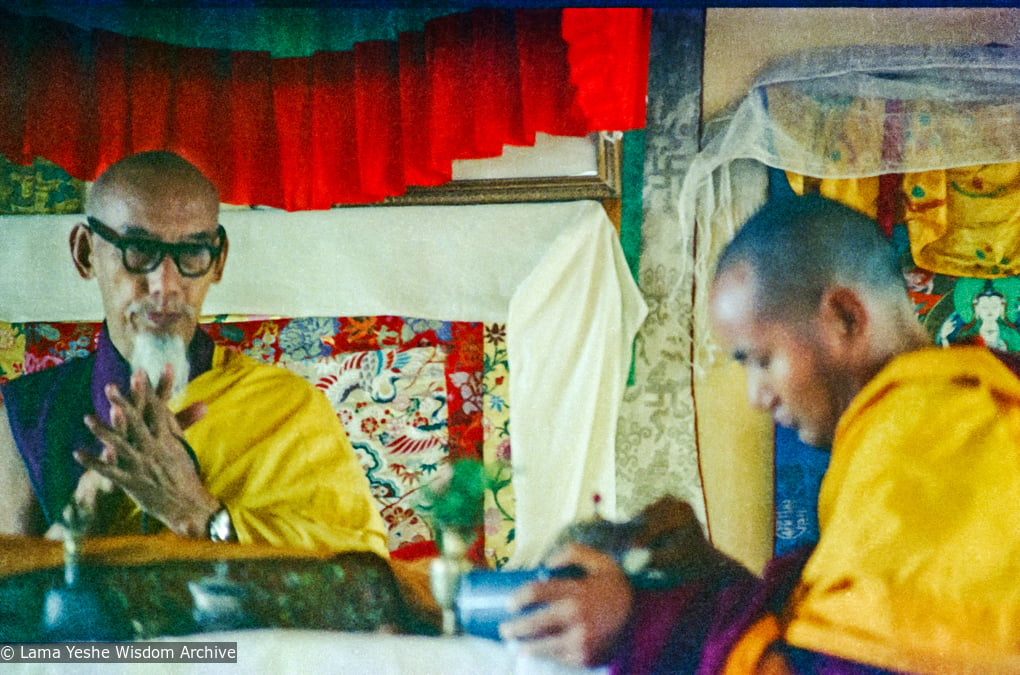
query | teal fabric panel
(282,31)
(632,205)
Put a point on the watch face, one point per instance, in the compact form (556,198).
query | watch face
(220,528)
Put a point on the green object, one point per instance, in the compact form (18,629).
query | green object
(632,210)
(281,31)
(456,504)
(632,204)
(42,187)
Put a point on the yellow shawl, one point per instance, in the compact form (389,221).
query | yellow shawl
(271,448)
(918,567)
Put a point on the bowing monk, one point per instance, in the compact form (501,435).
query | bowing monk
(917,568)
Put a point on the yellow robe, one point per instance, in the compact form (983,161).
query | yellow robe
(918,567)
(272,450)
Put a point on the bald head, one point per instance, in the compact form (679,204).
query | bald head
(154,177)
(809,297)
(152,206)
(795,248)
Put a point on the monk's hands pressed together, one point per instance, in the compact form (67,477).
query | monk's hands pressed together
(145,456)
(579,619)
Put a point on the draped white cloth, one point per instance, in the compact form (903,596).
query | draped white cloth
(555,273)
(846,113)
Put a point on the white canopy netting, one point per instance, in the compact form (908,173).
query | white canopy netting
(845,113)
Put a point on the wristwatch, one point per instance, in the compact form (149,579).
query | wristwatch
(221,528)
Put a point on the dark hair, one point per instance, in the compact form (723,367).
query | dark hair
(799,246)
(989,291)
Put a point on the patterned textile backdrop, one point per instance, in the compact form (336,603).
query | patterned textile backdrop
(656,448)
(412,394)
(40,187)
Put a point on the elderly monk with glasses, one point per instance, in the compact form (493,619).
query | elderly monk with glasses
(160,429)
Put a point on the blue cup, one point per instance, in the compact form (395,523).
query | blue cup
(483,596)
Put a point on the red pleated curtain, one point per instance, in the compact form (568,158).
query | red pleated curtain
(333,128)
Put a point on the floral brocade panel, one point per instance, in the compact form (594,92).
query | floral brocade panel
(499,524)
(412,395)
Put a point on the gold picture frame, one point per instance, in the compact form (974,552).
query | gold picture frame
(604,184)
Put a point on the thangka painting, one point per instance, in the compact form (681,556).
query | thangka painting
(412,395)
(965,310)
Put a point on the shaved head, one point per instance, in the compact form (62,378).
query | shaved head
(795,248)
(156,201)
(809,297)
(157,176)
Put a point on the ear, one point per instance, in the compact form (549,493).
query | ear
(221,261)
(845,320)
(81,250)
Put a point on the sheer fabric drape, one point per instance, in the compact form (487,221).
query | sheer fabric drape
(842,114)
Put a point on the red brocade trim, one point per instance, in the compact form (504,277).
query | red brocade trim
(464,372)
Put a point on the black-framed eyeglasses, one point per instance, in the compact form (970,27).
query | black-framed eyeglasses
(142,255)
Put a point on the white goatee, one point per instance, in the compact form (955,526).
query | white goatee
(152,353)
